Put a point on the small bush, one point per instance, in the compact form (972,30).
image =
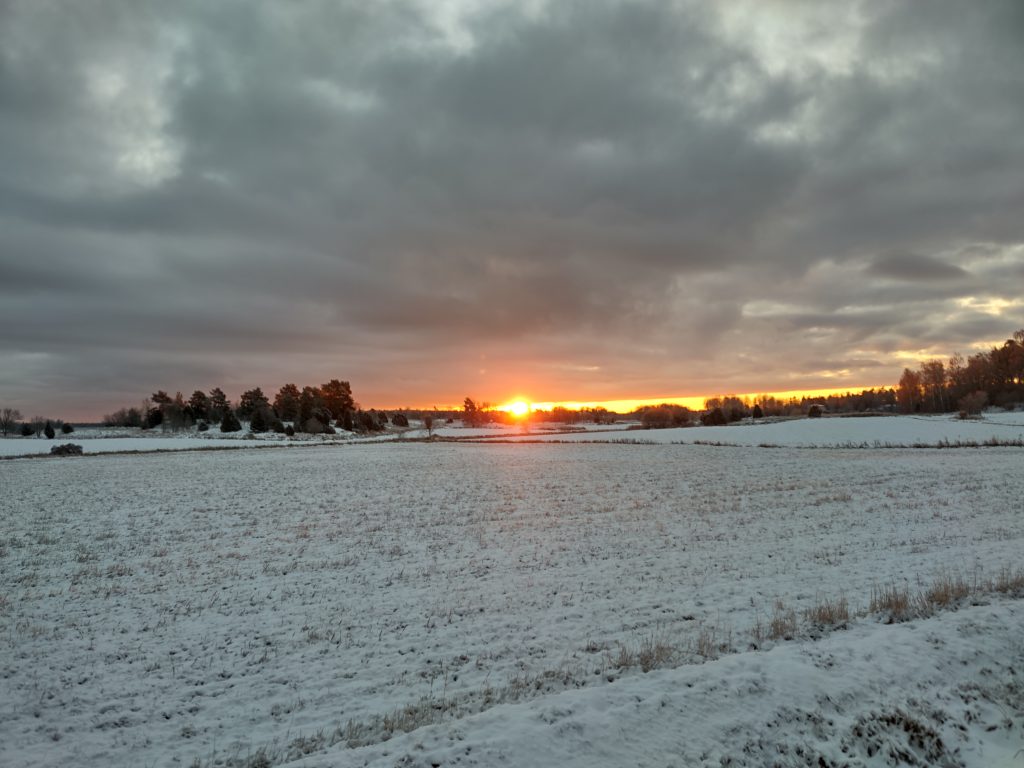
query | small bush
(67,429)
(68,449)
(974,403)
(400,420)
(202,426)
(313,426)
(714,418)
(230,423)
(26,430)
(258,423)
(289,431)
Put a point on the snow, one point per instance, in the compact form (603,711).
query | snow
(105,440)
(843,432)
(865,431)
(165,608)
(942,693)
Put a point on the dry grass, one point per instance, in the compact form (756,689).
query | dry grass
(1007,581)
(946,590)
(895,602)
(898,602)
(651,652)
(783,624)
(829,613)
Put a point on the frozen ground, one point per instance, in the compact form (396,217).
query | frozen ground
(163,609)
(102,440)
(119,440)
(877,431)
(937,692)
(865,431)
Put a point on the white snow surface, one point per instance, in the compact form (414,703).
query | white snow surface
(873,695)
(102,440)
(161,609)
(842,432)
(863,431)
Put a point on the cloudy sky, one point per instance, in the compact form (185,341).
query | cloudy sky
(579,200)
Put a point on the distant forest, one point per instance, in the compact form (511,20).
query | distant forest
(314,410)
(994,377)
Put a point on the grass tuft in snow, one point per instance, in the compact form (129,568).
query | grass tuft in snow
(829,613)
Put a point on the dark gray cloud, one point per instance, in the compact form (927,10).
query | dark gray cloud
(575,200)
(913,267)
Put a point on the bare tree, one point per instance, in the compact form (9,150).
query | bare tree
(933,381)
(9,418)
(908,393)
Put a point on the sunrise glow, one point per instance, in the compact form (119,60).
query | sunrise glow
(517,408)
(520,407)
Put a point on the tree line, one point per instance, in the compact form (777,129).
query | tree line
(991,377)
(11,424)
(728,409)
(312,410)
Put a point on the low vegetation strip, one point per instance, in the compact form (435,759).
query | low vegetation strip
(610,662)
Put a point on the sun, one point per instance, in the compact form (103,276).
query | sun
(519,408)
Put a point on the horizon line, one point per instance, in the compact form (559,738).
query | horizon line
(628,405)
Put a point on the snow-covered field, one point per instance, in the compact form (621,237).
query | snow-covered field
(854,432)
(501,601)
(860,432)
(121,440)
(102,440)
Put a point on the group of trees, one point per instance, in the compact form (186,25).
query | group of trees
(475,415)
(11,424)
(993,377)
(728,409)
(312,409)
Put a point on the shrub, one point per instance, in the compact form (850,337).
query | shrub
(289,430)
(202,426)
(67,429)
(26,430)
(258,422)
(230,422)
(48,431)
(665,415)
(277,425)
(68,449)
(815,411)
(400,420)
(713,418)
(313,426)
(974,403)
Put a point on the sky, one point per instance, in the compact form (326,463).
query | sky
(565,201)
